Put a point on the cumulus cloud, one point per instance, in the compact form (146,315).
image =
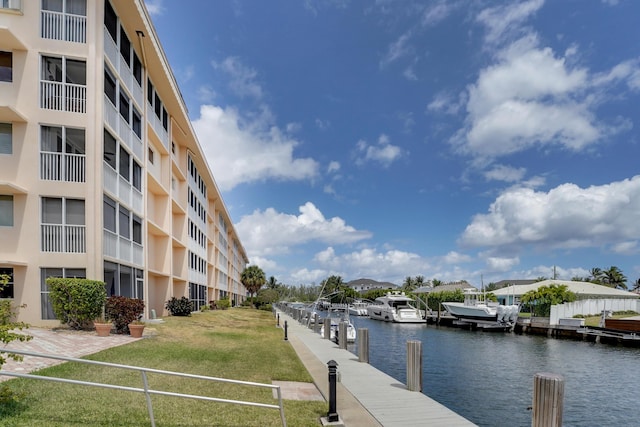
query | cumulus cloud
(564,217)
(504,21)
(270,232)
(242,78)
(498,264)
(505,173)
(333,167)
(384,152)
(444,102)
(242,150)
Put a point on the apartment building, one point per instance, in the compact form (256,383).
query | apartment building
(101,173)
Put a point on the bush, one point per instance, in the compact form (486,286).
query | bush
(76,302)
(179,307)
(9,331)
(223,304)
(122,311)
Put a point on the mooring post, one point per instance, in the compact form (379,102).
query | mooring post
(327,328)
(548,396)
(414,365)
(363,345)
(316,322)
(332,415)
(285,331)
(342,335)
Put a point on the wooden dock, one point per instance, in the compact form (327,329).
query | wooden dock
(373,396)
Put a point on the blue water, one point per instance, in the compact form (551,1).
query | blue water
(487,377)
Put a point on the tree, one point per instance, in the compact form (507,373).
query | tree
(614,278)
(272,283)
(436,282)
(409,284)
(596,275)
(544,297)
(253,278)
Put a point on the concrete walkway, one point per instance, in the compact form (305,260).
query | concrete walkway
(365,395)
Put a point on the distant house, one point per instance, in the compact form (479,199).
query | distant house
(364,285)
(451,286)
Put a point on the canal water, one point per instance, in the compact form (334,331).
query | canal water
(487,377)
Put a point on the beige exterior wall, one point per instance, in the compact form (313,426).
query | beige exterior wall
(163,255)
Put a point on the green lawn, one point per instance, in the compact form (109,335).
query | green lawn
(241,344)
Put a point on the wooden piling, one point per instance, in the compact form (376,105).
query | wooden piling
(548,397)
(363,345)
(327,328)
(414,365)
(342,335)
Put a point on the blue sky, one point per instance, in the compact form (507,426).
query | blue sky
(449,139)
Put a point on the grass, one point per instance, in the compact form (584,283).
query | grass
(595,320)
(241,344)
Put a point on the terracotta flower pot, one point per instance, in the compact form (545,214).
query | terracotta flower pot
(103,329)
(135,330)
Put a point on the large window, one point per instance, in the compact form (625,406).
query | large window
(62,154)
(45,301)
(7,291)
(6,144)
(6,66)
(6,210)
(64,20)
(63,225)
(111,21)
(63,84)
(10,4)
(123,280)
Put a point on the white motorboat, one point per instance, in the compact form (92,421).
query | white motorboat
(395,307)
(358,308)
(338,316)
(475,309)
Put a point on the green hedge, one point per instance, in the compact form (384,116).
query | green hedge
(77,302)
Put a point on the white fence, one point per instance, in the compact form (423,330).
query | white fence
(592,306)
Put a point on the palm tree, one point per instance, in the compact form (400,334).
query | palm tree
(253,278)
(436,282)
(272,283)
(596,275)
(614,278)
(636,286)
(409,283)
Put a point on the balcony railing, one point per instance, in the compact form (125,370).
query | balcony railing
(122,248)
(63,238)
(120,126)
(157,126)
(63,26)
(63,97)
(62,167)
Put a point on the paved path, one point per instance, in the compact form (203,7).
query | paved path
(366,396)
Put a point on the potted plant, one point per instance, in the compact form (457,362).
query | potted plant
(123,311)
(103,326)
(136,328)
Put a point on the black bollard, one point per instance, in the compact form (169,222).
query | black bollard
(332,416)
(278,321)
(285,331)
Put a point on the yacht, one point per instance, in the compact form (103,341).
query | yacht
(395,307)
(475,309)
(337,316)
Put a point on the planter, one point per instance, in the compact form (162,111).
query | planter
(136,330)
(103,329)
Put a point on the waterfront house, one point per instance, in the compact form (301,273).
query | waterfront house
(364,285)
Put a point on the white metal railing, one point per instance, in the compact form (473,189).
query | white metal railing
(110,179)
(136,145)
(110,243)
(197,277)
(145,383)
(124,249)
(62,167)
(63,238)
(110,48)
(136,200)
(137,254)
(63,26)
(111,114)
(63,96)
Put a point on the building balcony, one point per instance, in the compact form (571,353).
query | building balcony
(62,167)
(122,249)
(63,238)
(158,128)
(63,97)
(63,26)
(122,128)
(121,189)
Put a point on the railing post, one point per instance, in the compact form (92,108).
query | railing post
(285,331)
(327,328)
(332,415)
(342,335)
(414,365)
(145,382)
(548,396)
(363,345)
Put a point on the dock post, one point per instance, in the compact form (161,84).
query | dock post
(285,331)
(548,396)
(332,415)
(327,328)
(316,322)
(363,345)
(414,365)
(342,335)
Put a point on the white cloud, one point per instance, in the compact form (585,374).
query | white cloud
(504,21)
(627,71)
(435,13)
(384,152)
(154,7)
(497,264)
(565,217)
(242,78)
(333,167)
(304,276)
(454,257)
(628,247)
(322,124)
(270,232)
(241,151)
(410,74)
(397,49)
(206,94)
(505,173)
(447,103)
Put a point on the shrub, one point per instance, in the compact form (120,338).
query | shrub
(122,311)
(223,304)
(204,308)
(179,307)
(76,302)
(9,331)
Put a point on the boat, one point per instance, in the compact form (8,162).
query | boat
(474,308)
(358,308)
(337,316)
(395,307)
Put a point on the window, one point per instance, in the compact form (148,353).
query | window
(64,70)
(124,164)
(137,69)
(137,176)
(110,86)
(123,223)
(52,137)
(110,146)
(136,122)
(109,214)
(124,107)
(73,7)
(7,291)
(123,280)
(150,155)
(10,4)
(45,301)
(111,20)
(62,211)
(6,66)
(6,131)
(6,210)
(125,46)
(137,229)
